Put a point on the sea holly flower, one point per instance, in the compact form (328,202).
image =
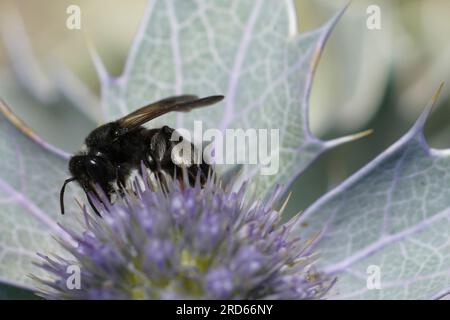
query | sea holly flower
(185,242)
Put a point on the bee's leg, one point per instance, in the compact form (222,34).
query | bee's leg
(90,201)
(122,174)
(121,184)
(162,180)
(200,170)
(205,172)
(177,173)
(194,172)
(93,207)
(160,152)
(152,162)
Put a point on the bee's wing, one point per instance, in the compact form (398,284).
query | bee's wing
(178,103)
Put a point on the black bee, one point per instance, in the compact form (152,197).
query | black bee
(113,150)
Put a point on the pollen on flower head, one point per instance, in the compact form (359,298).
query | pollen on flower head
(185,242)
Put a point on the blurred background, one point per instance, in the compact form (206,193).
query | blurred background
(379,79)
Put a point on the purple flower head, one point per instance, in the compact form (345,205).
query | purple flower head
(186,242)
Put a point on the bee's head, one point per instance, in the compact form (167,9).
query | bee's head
(89,171)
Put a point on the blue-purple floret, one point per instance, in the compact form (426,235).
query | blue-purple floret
(185,243)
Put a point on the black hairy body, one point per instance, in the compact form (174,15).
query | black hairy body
(113,150)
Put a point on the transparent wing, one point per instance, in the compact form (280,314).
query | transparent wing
(182,103)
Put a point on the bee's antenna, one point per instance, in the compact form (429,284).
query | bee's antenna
(61,194)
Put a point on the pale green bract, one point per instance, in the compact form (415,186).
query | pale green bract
(31,174)
(389,222)
(393,214)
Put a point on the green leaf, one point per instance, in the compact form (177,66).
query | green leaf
(31,174)
(249,51)
(394,214)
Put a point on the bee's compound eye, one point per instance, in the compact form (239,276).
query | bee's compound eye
(95,168)
(76,161)
(77,165)
(100,169)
